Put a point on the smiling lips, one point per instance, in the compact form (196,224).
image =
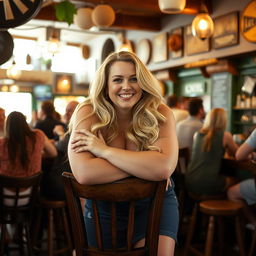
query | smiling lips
(126,95)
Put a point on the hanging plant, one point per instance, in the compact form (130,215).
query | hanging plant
(65,11)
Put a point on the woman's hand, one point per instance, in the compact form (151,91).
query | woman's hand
(84,140)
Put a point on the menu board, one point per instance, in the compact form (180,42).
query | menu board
(220,91)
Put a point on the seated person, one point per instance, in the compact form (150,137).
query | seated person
(21,148)
(209,146)
(245,190)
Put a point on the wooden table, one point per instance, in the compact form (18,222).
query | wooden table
(231,165)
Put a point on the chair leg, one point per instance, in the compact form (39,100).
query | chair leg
(220,235)
(253,243)
(3,234)
(191,229)
(28,238)
(50,232)
(239,236)
(67,229)
(210,234)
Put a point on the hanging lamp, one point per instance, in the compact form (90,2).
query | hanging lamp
(171,6)
(202,24)
(103,15)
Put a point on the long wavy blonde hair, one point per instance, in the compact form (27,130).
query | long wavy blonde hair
(144,126)
(216,120)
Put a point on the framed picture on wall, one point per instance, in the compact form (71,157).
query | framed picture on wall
(64,83)
(193,44)
(160,51)
(226,31)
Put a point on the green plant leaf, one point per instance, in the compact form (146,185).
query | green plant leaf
(65,11)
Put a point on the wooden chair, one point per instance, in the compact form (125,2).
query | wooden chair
(17,204)
(127,190)
(181,168)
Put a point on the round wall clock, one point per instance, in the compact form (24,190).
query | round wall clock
(143,50)
(14,13)
(248,22)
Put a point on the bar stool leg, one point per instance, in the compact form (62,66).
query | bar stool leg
(239,236)
(66,228)
(50,232)
(253,243)
(191,229)
(210,234)
(220,235)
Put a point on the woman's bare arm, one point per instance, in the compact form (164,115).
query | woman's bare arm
(151,165)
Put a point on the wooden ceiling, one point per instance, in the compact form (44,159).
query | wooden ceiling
(130,14)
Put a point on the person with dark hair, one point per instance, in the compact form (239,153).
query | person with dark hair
(47,120)
(2,120)
(21,147)
(187,128)
(178,112)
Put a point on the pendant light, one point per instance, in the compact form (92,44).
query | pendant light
(171,6)
(83,18)
(103,15)
(202,24)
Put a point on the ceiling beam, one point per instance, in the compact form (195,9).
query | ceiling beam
(121,22)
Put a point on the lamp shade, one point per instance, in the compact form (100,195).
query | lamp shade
(171,6)
(202,26)
(83,18)
(103,15)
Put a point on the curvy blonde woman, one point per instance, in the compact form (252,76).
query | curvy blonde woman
(124,129)
(209,146)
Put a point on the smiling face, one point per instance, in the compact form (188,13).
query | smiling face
(123,88)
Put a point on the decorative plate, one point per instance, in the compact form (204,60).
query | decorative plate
(6,46)
(14,13)
(248,22)
(143,50)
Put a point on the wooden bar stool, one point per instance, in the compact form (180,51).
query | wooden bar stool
(216,209)
(58,232)
(194,216)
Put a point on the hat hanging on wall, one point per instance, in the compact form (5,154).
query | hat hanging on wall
(6,46)
(16,13)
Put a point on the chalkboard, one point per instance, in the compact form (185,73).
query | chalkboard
(221,91)
(221,94)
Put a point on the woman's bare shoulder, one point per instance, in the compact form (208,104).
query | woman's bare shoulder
(165,111)
(85,116)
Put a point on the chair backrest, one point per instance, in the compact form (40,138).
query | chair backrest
(18,197)
(126,190)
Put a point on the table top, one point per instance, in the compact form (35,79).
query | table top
(233,164)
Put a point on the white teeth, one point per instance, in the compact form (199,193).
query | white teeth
(125,95)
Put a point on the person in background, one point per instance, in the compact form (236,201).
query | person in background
(178,112)
(52,185)
(2,120)
(245,190)
(70,108)
(209,146)
(187,128)
(47,120)
(21,147)
(124,129)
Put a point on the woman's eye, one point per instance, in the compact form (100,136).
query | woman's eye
(117,80)
(133,79)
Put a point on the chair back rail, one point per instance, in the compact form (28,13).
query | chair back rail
(17,195)
(126,190)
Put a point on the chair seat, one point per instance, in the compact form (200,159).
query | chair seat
(220,207)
